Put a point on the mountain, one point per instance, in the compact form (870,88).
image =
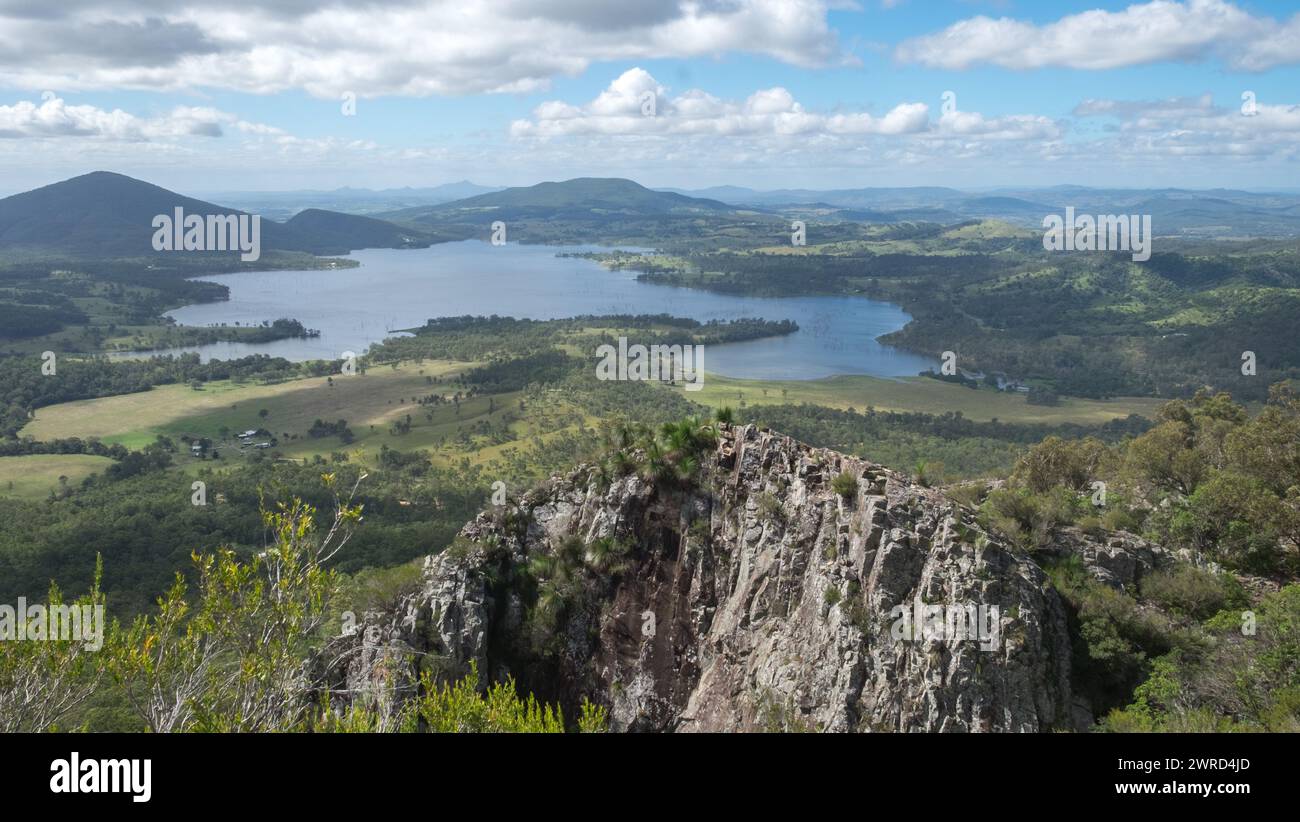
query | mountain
(760,595)
(1210,213)
(330,232)
(584,198)
(446,192)
(995,206)
(107,215)
(100,213)
(726,194)
(1173,211)
(281,205)
(590,194)
(860,198)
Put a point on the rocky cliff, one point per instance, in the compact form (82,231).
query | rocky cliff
(753,596)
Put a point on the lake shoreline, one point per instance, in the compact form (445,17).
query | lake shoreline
(405,287)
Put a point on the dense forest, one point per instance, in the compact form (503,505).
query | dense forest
(1221,486)
(1092,325)
(1207,477)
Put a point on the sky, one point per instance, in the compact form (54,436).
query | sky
(303,94)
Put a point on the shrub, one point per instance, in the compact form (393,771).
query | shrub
(1113,638)
(1121,518)
(1026,518)
(1189,591)
(460,708)
(845,484)
(970,493)
(380,588)
(770,508)
(1092,526)
(1056,462)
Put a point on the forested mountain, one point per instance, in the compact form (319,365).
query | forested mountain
(1174,212)
(590,197)
(106,215)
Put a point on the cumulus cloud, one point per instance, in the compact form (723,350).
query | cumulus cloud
(1152,32)
(636,104)
(1197,114)
(54,118)
(1197,126)
(385,47)
(1011,127)
(641,128)
(772,130)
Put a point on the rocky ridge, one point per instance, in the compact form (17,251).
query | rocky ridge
(754,597)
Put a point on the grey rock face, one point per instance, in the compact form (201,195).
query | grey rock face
(756,598)
(1119,560)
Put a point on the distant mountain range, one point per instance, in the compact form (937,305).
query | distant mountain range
(281,205)
(1209,213)
(866,198)
(108,215)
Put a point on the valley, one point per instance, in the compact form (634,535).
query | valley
(458,381)
(926,372)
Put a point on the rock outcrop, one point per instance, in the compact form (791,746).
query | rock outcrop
(753,597)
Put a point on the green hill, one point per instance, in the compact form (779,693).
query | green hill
(331,232)
(107,215)
(581,198)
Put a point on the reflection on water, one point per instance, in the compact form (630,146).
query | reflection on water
(395,289)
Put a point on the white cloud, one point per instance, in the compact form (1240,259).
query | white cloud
(1157,31)
(54,118)
(385,47)
(1011,127)
(771,133)
(1182,127)
(179,130)
(904,118)
(636,104)
(767,138)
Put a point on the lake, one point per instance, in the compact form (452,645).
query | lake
(402,288)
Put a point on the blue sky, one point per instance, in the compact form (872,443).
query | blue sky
(763,93)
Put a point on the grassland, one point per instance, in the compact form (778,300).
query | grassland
(35,476)
(371,403)
(134,420)
(915,394)
(481,428)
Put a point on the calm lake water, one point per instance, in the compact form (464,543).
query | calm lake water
(395,289)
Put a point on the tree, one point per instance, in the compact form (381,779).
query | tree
(461,708)
(1073,464)
(42,681)
(234,656)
